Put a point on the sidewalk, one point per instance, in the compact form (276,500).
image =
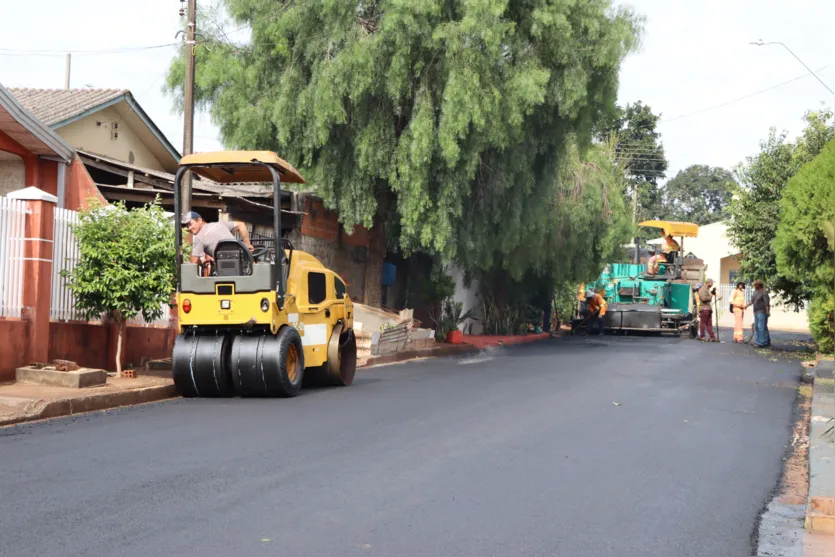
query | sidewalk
(25,402)
(820,510)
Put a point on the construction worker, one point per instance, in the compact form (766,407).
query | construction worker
(705,296)
(596,306)
(653,265)
(671,248)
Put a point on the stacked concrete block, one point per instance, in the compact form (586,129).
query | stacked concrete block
(392,339)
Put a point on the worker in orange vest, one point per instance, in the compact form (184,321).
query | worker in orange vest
(596,306)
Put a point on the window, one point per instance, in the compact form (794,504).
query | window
(732,277)
(339,287)
(316,290)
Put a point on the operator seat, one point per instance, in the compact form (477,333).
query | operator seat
(232,259)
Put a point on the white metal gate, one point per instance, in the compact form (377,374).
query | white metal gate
(724,293)
(12,234)
(64,256)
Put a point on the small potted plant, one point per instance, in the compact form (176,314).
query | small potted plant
(452,315)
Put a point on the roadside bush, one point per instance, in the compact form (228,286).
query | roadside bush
(126,264)
(803,251)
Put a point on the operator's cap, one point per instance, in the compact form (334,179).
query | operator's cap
(710,281)
(188,217)
(589,293)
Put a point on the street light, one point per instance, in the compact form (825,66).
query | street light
(761,43)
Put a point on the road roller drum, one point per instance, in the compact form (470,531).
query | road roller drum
(199,365)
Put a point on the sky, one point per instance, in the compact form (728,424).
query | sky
(695,56)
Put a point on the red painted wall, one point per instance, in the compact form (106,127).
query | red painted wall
(47,177)
(83,343)
(12,347)
(89,345)
(318,222)
(80,187)
(151,343)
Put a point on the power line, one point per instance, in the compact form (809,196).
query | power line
(54,52)
(724,104)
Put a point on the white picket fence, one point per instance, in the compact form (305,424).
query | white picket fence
(12,246)
(65,254)
(164,320)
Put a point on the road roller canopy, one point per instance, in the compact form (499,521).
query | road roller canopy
(674,228)
(241,166)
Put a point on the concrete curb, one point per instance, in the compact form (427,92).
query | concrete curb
(442,351)
(820,510)
(407,355)
(103,401)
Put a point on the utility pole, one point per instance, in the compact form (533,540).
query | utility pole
(188,98)
(67,76)
(635,220)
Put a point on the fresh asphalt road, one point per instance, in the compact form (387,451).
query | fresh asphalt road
(523,451)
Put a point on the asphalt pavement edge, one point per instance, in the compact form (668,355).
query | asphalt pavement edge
(101,401)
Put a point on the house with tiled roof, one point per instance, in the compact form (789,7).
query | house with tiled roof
(117,153)
(106,122)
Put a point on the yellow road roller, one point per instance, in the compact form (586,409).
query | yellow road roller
(257,323)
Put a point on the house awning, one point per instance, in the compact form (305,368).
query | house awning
(29,132)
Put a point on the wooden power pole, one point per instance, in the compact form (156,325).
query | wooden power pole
(188,98)
(635,219)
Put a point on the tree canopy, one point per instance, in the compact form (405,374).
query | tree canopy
(755,210)
(450,119)
(803,251)
(639,147)
(700,194)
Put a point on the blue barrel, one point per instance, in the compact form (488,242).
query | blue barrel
(389,274)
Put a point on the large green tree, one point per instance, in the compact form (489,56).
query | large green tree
(639,148)
(700,194)
(449,118)
(755,210)
(803,251)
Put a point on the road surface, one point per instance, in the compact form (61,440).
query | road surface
(575,447)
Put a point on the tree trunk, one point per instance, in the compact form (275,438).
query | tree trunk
(120,324)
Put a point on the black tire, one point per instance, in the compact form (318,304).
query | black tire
(199,365)
(268,366)
(290,381)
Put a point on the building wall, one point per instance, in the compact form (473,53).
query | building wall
(356,257)
(37,172)
(80,188)
(12,347)
(728,265)
(12,173)
(711,246)
(82,343)
(94,345)
(87,135)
